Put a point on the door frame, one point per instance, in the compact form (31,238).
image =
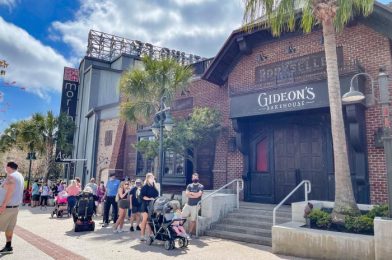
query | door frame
(266,133)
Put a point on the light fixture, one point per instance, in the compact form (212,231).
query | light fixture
(155,128)
(168,121)
(383,86)
(354,95)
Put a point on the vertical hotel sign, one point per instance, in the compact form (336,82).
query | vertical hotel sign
(69,98)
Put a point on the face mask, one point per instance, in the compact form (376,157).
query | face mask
(195,180)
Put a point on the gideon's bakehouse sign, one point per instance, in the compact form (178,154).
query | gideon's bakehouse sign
(283,99)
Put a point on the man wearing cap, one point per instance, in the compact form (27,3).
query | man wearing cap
(11,195)
(110,199)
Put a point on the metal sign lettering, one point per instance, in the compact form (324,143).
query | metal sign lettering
(69,98)
(294,69)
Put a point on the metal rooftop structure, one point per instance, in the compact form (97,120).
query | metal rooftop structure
(107,47)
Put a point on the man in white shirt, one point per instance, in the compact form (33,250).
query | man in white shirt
(10,199)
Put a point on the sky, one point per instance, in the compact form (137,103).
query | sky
(39,37)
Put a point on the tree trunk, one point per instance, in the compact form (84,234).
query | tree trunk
(344,196)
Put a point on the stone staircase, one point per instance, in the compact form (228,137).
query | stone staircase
(252,223)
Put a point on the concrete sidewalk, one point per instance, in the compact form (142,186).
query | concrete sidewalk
(104,244)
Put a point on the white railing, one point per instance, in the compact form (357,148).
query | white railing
(239,187)
(308,189)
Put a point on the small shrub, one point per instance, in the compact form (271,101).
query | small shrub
(378,211)
(320,218)
(359,224)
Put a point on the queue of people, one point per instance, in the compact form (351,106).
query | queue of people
(136,197)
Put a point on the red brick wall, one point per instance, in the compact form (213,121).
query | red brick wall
(360,43)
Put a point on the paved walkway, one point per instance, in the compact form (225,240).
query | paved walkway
(39,237)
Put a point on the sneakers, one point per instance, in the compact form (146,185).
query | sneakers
(132,229)
(6,250)
(120,230)
(138,228)
(105,225)
(142,239)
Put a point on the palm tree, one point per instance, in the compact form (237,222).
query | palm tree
(332,15)
(142,89)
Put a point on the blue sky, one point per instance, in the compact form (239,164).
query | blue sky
(39,37)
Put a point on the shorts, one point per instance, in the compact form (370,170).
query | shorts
(123,204)
(136,209)
(190,212)
(8,219)
(35,197)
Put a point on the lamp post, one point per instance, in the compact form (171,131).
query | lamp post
(30,157)
(355,96)
(162,120)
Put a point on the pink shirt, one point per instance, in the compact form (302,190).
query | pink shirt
(73,190)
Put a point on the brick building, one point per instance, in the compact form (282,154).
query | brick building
(272,93)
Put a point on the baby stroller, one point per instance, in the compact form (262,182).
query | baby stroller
(60,205)
(160,220)
(83,212)
(26,197)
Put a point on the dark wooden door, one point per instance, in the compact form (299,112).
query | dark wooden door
(300,154)
(260,185)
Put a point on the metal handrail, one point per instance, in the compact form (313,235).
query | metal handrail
(238,189)
(308,189)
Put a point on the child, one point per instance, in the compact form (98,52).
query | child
(177,223)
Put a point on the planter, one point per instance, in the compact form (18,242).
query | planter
(321,244)
(293,239)
(383,238)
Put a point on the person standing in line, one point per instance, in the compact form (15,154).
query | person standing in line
(110,199)
(194,191)
(135,206)
(11,196)
(73,190)
(123,205)
(45,191)
(101,196)
(148,194)
(35,194)
(78,183)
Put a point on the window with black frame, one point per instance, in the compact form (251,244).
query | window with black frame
(174,164)
(143,164)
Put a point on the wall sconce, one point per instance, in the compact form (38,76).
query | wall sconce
(261,57)
(291,49)
(378,142)
(232,144)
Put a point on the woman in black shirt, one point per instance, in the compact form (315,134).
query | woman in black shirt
(148,193)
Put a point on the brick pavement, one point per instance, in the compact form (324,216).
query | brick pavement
(40,237)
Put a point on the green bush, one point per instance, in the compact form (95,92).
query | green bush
(320,218)
(359,224)
(378,211)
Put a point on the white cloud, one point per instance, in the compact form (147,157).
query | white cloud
(31,64)
(9,3)
(193,26)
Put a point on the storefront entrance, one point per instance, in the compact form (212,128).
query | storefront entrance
(285,151)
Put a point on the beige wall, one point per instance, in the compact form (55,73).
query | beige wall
(104,153)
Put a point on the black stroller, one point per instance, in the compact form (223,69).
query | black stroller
(83,212)
(160,220)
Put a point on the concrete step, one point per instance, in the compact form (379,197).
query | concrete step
(250,205)
(265,213)
(240,215)
(243,230)
(240,237)
(247,223)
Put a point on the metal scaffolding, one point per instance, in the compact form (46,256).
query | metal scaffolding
(107,47)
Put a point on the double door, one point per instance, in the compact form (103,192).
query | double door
(282,156)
